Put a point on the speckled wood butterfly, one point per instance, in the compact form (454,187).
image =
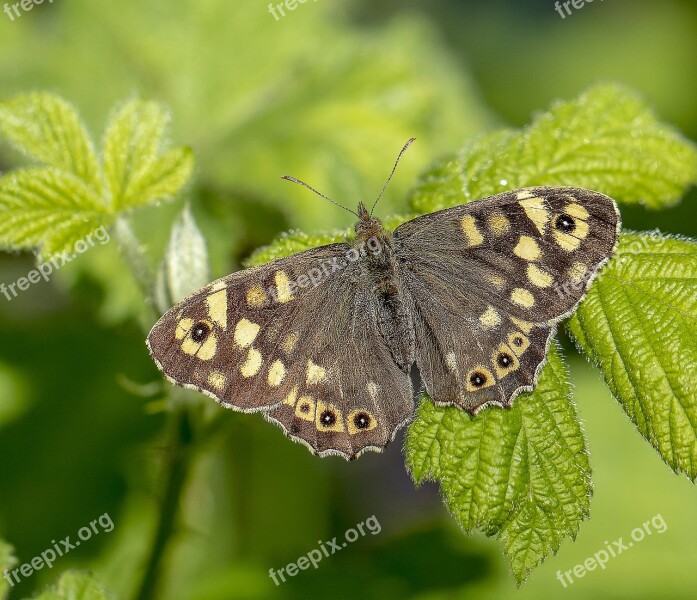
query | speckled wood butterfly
(324,341)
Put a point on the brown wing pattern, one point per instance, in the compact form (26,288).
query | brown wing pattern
(489,280)
(296,338)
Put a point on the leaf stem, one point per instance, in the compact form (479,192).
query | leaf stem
(134,255)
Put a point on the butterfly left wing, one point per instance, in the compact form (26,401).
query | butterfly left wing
(489,280)
(298,339)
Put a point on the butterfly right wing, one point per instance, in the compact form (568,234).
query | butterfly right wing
(296,338)
(489,280)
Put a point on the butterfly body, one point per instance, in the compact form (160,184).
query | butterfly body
(324,341)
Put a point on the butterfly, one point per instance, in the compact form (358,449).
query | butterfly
(324,342)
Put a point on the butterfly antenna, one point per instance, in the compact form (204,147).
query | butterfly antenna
(384,187)
(309,187)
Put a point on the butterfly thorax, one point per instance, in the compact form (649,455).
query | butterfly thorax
(394,318)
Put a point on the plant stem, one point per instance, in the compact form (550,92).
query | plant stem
(176,471)
(180,431)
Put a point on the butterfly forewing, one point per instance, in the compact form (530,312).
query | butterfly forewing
(298,339)
(489,280)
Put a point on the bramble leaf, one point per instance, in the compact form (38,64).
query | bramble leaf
(138,169)
(522,474)
(48,129)
(48,209)
(75,585)
(54,208)
(606,140)
(638,323)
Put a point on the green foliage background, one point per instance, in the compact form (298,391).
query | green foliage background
(328,94)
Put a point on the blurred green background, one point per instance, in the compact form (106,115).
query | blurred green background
(327,93)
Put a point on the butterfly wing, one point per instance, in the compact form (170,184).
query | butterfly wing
(298,339)
(489,280)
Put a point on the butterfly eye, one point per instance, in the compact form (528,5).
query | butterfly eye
(361,420)
(565,223)
(478,379)
(327,418)
(200,331)
(504,360)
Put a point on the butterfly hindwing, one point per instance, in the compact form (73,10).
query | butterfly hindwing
(298,339)
(489,280)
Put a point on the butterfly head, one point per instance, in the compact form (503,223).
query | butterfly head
(368,226)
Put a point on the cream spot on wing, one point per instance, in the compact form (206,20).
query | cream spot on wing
(325,414)
(315,374)
(292,397)
(204,351)
(373,391)
(469,227)
(361,414)
(518,342)
(577,272)
(498,282)
(504,355)
(522,297)
(527,248)
(305,408)
(571,241)
(245,333)
(499,224)
(217,308)
(256,296)
(289,343)
(490,318)
(277,373)
(252,364)
(537,212)
(217,380)
(283,293)
(451,361)
(479,378)
(577,211)
(217,285)
(538,277)
(524,325)
(524,194)
(183,327)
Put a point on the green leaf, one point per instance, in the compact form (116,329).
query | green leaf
(294,241)
(138,169)
(638,323)
(47,208)
(75,585)
(606,140)
(49,130)
(521,474)
(7,561)
(185,266)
